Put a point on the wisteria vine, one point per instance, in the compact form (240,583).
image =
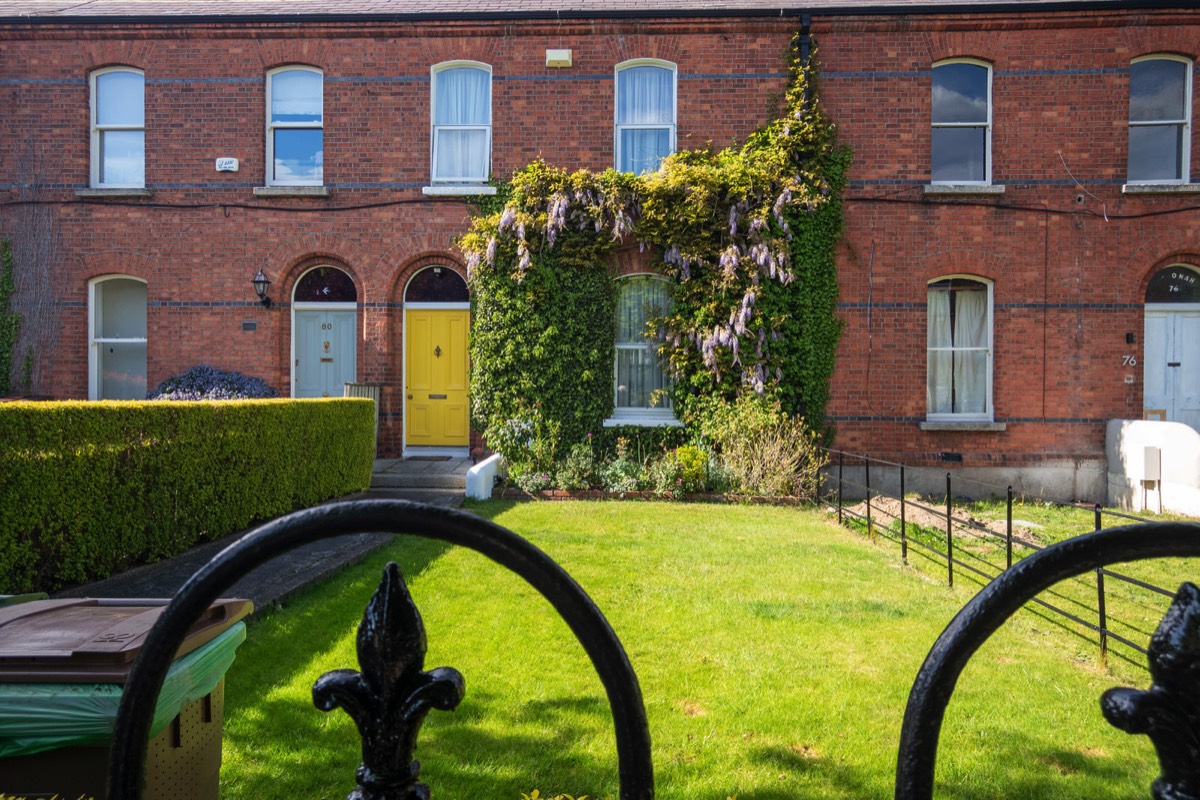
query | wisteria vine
(728,227)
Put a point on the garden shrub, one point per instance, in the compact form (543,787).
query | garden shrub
(693,468)
(92,488)
(765,450)
(622,474)
(527,439)
(665,475)
(203,382)
(532,480)
(579,469)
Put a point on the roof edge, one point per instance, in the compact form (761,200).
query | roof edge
(849,9)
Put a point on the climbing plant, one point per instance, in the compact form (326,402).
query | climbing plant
(10,321)
(748,235)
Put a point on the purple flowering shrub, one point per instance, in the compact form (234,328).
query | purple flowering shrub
(533,481)
(203,382)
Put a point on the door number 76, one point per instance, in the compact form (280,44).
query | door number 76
(1129,361)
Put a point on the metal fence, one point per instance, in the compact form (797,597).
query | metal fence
(897,527)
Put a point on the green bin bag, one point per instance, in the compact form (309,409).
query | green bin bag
(46,716)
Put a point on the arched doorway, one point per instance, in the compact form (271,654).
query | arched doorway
(324,333)
(1171,367)
(436,319)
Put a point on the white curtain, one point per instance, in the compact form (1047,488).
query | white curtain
(939,387)
(638,374)
(645,97)
(958,351)
(462,115)
(296,96)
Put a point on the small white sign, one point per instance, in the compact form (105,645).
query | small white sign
(558,58)
(227,165)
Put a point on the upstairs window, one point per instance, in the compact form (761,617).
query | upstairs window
(640,382)
(295,122)
(461,140)
(1160,120)
(961,139)
(118,128)
(645,112)
(959,363)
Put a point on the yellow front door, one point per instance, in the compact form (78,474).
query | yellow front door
(436,393)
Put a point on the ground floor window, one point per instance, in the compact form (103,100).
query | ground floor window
(639,380)
(959,357)
(117,326)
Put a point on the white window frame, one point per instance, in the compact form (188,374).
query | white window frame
(96,342)
(272,126)
(1186,122)
(98,129)
(657,416)
(435,129)
(988,415)
(618,126)
(987,126)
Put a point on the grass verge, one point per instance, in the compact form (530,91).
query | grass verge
(775,654)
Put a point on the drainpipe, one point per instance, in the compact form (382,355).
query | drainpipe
(806,51)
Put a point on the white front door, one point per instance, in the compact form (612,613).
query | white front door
(1172,364)
(325,352)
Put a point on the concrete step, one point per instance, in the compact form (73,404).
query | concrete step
(425,480)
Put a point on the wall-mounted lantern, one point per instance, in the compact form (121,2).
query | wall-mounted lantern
(261,284)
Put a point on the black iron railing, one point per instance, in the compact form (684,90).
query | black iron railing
(392,694)
(956,521)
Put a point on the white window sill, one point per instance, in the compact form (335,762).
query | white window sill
(129,191)
(291,191)
(963,188)
(978,426)
(1161,188)
(649,419)
(457,190)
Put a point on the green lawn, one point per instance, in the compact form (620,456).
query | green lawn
(775,653)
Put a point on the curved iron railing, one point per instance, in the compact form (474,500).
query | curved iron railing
(1174,650)
(389,699)
(392,690)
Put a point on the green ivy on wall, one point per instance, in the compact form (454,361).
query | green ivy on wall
(10,321)
(748,235)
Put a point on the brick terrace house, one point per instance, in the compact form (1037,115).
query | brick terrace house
(1022,247)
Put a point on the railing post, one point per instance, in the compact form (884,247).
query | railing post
(841,469)
(903,526)
(1008,528)
(867,480)
(949,532)
(1101,612)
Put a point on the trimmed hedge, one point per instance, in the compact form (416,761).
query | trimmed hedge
(88,489)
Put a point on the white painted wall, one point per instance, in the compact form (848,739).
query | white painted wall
(1179,490)
(482,477)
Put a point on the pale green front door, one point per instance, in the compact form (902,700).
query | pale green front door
(326,351)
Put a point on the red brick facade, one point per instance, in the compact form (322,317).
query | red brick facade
(1068,254)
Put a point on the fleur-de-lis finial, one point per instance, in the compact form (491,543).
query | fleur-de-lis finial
(1169,711)
(389,699)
